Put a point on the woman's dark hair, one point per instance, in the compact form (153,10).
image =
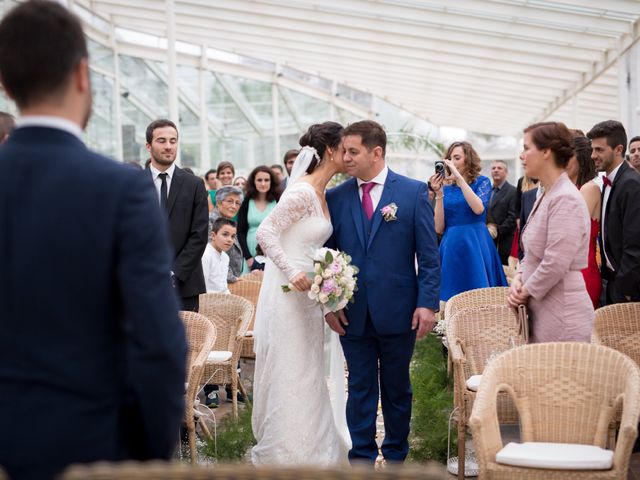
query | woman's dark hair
(556,137)
(320,136)
(586,165)
(252,191)
(472,162)
(224,165)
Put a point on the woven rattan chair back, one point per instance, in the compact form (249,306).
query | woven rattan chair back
(234,315)
(249,289)
(480,297)
(483,333)
(201,335)
(565,393)
(618,326)
(231,315)
(165,471)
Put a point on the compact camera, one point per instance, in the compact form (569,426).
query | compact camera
(441,168)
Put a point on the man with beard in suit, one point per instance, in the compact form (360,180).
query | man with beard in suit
(620,218)
(183,198)
(89,321)
(501,215)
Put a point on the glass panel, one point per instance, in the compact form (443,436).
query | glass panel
(189,138)
(143,85)
(100,134)
(223,111)
(134,124)
(257,96)
(100,55)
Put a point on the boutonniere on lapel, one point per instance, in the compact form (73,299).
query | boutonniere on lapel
(389,212)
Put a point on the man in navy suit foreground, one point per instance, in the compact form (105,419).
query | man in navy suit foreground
(89,331)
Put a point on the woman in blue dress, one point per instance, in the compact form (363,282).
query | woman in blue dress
(468,256)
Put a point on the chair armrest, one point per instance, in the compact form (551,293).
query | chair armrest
(484,421)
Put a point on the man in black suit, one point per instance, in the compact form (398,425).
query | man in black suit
(620,218)
(89,326)
(184,200)
(501,214)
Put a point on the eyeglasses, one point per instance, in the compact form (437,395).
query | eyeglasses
(232,202)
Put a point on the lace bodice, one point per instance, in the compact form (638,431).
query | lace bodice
(456,209)
(294,230)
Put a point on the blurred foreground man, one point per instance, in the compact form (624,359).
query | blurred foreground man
(89,330)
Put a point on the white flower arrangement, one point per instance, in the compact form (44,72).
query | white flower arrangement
(333,279)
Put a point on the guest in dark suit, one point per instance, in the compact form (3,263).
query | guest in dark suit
(620,219)
(501,214)
(184,200)
(90,330)
(288,161)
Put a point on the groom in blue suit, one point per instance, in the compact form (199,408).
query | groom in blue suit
(385,222)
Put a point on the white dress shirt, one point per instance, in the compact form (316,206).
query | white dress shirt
(157,181)
(215,266)
(50,121)
(605,200)
(376,191)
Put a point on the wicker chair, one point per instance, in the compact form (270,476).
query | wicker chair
(201,336)
(564,393)
(250,290)
(172,471)
(480,297)
(231,315)
(618,326)
(474,336)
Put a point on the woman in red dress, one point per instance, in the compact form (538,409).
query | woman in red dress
(582,172)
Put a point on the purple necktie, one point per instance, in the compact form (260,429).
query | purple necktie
(367,203)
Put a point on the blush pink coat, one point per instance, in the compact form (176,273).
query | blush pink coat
(556,247)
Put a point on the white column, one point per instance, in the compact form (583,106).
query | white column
(275,113)
(628,90)
(171,63)
(206,162)
(116,97)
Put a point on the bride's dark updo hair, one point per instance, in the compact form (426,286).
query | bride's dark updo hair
(320,136)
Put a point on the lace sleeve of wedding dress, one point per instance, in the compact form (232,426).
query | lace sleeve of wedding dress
(296,204)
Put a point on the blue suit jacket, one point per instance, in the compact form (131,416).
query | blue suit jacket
(388,285)
(92,352)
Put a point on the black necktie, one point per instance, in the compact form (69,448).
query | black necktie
(163,191)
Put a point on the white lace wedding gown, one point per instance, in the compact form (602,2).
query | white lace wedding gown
(293,420)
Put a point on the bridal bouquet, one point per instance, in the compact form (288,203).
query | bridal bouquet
(333,279)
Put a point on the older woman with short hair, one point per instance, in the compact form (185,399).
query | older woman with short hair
(228,201)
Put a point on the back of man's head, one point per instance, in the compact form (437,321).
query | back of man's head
(613,131)
(41,42)
(7,122)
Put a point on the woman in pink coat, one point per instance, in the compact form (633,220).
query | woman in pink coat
(555,241)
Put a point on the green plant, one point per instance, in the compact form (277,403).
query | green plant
(432,401)
(234,438)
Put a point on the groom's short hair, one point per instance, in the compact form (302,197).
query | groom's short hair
(371,132)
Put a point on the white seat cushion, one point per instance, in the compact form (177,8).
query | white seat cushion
(558,456)
(473,382)
(219,356)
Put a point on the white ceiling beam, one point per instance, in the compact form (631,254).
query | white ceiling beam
(599,67)
(345,22)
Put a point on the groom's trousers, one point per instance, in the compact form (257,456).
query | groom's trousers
(378,360)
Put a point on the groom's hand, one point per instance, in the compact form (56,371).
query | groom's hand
(423,321)
(336,322)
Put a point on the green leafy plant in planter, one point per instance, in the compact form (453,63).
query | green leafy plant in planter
(432,402)
(234,438)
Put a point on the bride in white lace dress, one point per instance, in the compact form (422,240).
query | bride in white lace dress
(293,420)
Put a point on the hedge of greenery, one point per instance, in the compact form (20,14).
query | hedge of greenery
(432,402)
(234,438)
